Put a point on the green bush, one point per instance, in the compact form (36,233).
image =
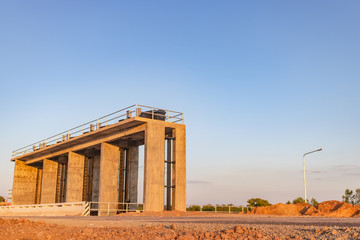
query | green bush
(257,202)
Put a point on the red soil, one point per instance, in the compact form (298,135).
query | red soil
(326,209)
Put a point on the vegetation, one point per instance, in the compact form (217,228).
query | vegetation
(257,202)
(219,208)
(2,199)
(298,200)
(352,197)
(314,202)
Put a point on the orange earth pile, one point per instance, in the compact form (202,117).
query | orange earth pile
(325,209)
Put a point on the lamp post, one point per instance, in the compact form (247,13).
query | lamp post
(304,170)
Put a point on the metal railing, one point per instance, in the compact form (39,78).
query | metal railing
(113,207)
(218,208)
(110,119)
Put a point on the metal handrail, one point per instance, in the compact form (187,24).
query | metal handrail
(94,125)
(108,209)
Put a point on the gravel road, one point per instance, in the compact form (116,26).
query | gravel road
(209,226)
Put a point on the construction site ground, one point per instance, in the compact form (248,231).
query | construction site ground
(177,225)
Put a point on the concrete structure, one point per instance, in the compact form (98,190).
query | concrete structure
(99,161)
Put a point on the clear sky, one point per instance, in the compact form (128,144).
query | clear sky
(260,83)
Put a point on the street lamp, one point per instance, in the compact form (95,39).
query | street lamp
(304,170)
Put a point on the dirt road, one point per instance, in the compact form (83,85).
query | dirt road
(180,226)
(222,219)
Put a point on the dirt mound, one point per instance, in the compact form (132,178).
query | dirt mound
(326,209)
(338,209)
(280,209)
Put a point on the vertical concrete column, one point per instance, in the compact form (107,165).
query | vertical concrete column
(121,187)
(133,169)
(75,177)
(179,169)
(108,187)
(96,180)
(38,186)
(24,185)
(49,180)
(154,170)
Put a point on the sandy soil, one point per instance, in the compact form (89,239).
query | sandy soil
(327,209)
(329,220)
(187,226)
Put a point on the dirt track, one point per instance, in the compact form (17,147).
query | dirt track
(222,219)
(180,226)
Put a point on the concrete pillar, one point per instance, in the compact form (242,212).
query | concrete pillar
(75,177)
(108,187)
(154,170)
(121,177)
(132,177)
(179,169)
(38,186)
(96,181)
(24,185)
(49,180)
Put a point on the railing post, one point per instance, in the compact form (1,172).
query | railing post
(229,209)
(215,208)
(127,207)
(201,208)
(152,112)
(108,209)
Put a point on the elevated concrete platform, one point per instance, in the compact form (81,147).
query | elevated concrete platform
(98,162)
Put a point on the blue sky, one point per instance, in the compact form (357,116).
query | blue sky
(260,83)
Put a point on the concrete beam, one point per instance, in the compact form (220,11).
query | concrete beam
(88,144)
(49,180)
(154,170)
(24,185)
(109,164)
(75,177)
(179,169)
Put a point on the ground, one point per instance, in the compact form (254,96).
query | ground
(175,225)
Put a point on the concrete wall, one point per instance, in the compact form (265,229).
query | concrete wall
(72,210)
(154,168)
(109,164)
(24,185)
(179,169)
(49,180)
(75,177)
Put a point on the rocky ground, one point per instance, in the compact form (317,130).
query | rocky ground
(24,229)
